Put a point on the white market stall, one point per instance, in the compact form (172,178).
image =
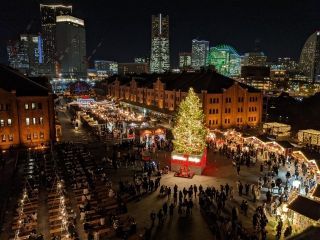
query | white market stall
(309,136)
(277,129)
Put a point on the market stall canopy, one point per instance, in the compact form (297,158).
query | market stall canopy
(316,192)
(309,233)
(306,207)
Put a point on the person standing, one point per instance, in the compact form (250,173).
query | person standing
(171,207)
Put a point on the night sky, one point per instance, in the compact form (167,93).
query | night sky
(282,26)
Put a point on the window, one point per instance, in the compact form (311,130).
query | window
(35,136)
(217,100)
(26,106)
(213,100)
(1,107)
(216,121)
(34,121)
(41,120)
(1,123)
(33,106)
(9,122)
(209,111)
(210,100)
(226,110)
(217,111)
(225,121)
(28,136)
(229,110)
(209,122)
(41,135)
(10,137)
(228,120)
(213,111)
(27,121)
(3,138)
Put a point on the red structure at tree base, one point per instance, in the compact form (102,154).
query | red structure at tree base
(188,165)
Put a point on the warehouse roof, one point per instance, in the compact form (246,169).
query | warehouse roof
(12,80)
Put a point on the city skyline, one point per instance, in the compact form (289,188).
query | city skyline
(246,22)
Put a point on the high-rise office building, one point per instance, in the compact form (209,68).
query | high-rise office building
(254,59)
(26,54)
(226,60)
(310,58)
(200,50)
(71,47)
(184,60)
(106,68)
(160,57)
(132,68)
(49,13)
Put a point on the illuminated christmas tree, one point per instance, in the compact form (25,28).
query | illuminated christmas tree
(189,131)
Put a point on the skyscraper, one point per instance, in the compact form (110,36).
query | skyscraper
(49,13)
(160,58)
(225,59)
(26,54)
(200,50)
(310,57)
(184,60)
(71,47)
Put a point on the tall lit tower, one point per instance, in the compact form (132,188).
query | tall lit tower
(200,51)
(160,58)
(71,47)
(310,58)
(49,13)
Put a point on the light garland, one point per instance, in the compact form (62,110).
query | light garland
(21,213)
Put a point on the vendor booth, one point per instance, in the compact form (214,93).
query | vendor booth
(277,129)
(303,212)
(150,136)
(309,136)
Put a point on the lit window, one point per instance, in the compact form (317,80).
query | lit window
(34,121)
(33,106)
(10,137)
(1,123)
(28,136)
(41,120)
(41,135)
(26,106)
(39,105)
(27,121)
(9,122)
(3,137)
(35,136)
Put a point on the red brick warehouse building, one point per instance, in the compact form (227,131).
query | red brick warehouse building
(226,102)
(26,111)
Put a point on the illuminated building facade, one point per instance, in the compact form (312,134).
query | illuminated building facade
(49,13)
(26,54)
(226,102)
(254,59)
(26,111)
(71,47)
(106,68)
(225,60)
(132,68)
(184,60)
(160,56)
(200,50)
(310,58)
